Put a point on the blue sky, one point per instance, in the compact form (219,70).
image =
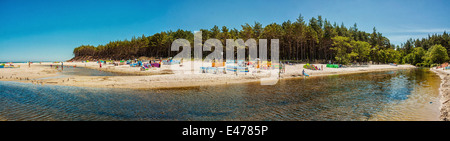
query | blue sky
(50,29)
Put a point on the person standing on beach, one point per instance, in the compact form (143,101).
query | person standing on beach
(181,62)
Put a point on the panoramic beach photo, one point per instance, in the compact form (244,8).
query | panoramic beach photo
(233,60)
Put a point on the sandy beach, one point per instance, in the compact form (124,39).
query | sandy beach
(23,72)
(168,76)
(444,93)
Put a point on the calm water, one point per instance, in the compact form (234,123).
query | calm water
(392,95)
(81,71)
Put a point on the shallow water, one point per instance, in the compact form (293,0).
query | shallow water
(81,71)
(391,95)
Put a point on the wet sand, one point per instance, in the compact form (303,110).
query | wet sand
(168,76)
(444,93)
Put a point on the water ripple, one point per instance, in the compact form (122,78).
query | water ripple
(392,95)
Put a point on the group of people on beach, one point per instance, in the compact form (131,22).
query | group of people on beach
(143,64)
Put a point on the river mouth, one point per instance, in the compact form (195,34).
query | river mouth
(82,71)
(391,95)
(69,71)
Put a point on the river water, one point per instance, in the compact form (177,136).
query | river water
(391,95)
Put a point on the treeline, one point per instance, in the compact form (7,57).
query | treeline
(430,51)
(316,40)
(299,40)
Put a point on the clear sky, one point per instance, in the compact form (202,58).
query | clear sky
(42,30)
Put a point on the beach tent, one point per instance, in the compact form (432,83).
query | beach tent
(311,67)
(332,66)
(155,65)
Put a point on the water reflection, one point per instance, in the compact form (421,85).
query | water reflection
(393,95)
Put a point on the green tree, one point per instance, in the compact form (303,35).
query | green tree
(272,31)
(361,49)
(343,49)
(415,57)
(299,37)
(257,30)
(437,54)
(247,32)
(298,41)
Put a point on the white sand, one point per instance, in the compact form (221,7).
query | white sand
(26,73)
(444,92)
(168,76)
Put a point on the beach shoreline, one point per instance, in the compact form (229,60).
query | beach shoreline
(444,92)
(164,77)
